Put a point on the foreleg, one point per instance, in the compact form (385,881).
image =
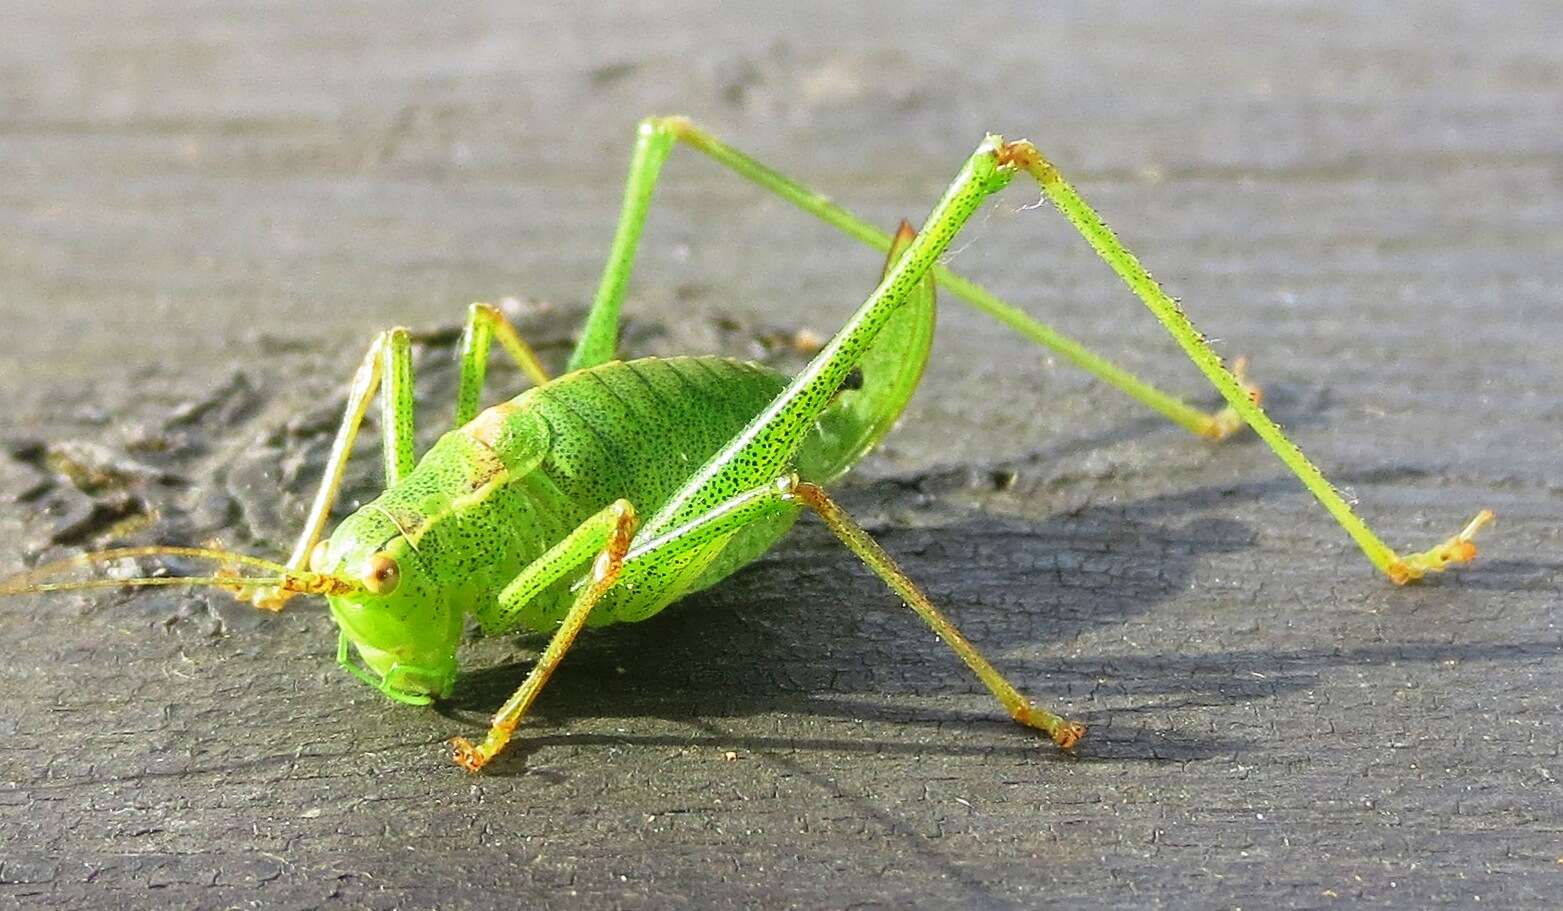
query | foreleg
(387,364)
(607,535)
(485,325)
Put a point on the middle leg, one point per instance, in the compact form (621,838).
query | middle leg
(486,324)
(606,534)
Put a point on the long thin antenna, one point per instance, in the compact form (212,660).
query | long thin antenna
(219,581)
(289,580)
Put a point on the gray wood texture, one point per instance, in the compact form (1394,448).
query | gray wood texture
(207,208)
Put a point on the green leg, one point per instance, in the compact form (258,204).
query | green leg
(644,559)
(1064,732)
(396,408)
(485,324)
(387,367)
(389,358)
(653,144)
(766,447)
(1400,570)
(600,336)
(605,535)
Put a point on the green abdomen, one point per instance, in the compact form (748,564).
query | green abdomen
(639,429)
(635,430)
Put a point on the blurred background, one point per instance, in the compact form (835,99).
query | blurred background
(1366,198)
(185,171)
(1355,174)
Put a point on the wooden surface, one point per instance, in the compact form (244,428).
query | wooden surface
(207,209)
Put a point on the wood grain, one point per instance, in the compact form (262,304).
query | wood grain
(207,209)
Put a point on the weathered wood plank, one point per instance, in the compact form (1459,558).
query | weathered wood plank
(1366,199)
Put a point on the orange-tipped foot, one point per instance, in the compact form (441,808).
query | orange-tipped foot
(275,597)
(467,755)
(1067,734)
(1227,421)
(473,757)
(1062,731)
(1459,549)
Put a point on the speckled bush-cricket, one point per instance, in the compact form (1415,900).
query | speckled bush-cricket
(607,493)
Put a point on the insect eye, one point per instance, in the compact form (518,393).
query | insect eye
(381,575)
(318,556)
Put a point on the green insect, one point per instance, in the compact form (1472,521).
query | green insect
(608,493)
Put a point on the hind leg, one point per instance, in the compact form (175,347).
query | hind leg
(650,563)
(654,142)
(772,439)
(1241,401)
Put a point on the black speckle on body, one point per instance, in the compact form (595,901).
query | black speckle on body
(636,430)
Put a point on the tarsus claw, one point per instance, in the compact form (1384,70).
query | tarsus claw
(466,755)
(1459,549)
(1067,734)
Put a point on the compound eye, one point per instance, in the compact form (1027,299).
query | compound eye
(381,575)
(318,555)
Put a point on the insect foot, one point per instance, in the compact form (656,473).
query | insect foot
(1064,732)
(470,757)
(269,598)
(1068,734)
(1459,549)
(297,582)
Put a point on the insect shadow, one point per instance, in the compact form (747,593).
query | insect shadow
(807,632)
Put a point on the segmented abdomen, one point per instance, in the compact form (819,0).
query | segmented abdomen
(635,430)
(638,429)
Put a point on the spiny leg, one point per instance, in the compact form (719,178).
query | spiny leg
(1240,399)
(387,365)
(660,556)
(388,362)
(883,380)
(767,446)
(600,335)
(772,438)
(1064,732)
(654,142)
(396,408)
(607,535)
(486,324)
